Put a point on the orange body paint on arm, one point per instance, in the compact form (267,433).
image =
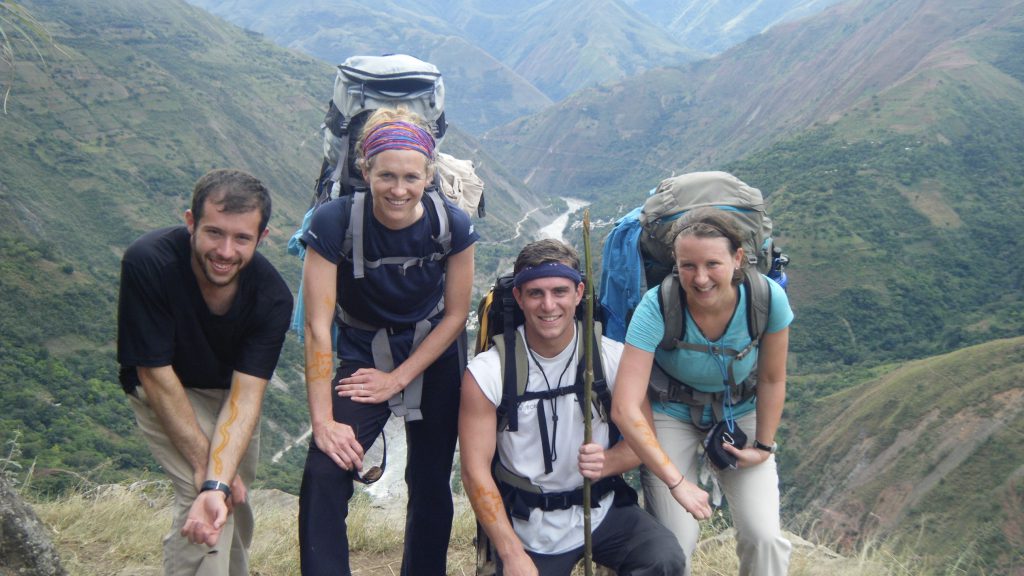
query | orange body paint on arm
(225,433)
(649,440)
(323,365)
(488,505)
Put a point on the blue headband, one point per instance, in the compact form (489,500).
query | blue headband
(547,270)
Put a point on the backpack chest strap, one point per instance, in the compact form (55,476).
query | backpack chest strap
(716,350)
(520,495)
(665,388)
(354,235)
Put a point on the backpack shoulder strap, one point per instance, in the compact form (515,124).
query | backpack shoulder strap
(353,243)
(515,372)
(602,395)
(672,301)
(759,304)
(440,225)
(443,230)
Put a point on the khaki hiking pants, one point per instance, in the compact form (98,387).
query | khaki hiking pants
(752,493)
(230,557)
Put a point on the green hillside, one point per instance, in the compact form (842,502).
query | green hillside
(927,454)
(905,244)
(892,165)
(102,140)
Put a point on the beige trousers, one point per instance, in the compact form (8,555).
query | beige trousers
(752,493)
(230,557)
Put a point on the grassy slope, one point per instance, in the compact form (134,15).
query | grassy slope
(101,142)
(93,537)
(903,243)
(929,450)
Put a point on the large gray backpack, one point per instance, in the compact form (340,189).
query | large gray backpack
(366,83)
(678,195)
(673,198)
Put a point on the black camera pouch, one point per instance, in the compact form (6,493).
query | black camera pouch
(719,435)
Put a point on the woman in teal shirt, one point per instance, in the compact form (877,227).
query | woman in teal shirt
(668,435)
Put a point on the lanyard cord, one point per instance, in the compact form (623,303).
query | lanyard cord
(716,353)
(551,454)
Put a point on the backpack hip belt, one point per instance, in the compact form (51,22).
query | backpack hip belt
(520,495)
(405,404)
(665,388)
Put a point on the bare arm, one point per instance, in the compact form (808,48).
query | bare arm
(338,441)
(771,383)
(235,424)
(372,386)
(166,396)
(238,417)
(771,395)
(477,443)
(631,412)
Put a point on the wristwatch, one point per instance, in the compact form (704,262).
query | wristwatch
(218,486)
(769,449)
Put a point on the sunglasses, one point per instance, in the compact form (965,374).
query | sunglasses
(374,472)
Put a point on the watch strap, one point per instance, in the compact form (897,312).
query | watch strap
(216,485)
(771,449)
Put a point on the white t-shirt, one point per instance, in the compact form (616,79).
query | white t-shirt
(555,531)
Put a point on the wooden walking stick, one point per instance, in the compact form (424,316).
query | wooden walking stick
(588,384)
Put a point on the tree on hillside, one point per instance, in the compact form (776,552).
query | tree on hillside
(16,22)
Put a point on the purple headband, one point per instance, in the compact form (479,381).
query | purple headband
(547,270)
(397,136)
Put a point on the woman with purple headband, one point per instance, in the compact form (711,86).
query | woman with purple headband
(400,306)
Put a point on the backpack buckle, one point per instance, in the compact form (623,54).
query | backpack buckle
(557,501)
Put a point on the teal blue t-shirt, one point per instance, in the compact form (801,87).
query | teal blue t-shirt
(698,368)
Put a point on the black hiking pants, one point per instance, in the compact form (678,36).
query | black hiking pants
(326,488)
(629,541)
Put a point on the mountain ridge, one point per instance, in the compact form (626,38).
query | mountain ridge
(533,53)
(717,110)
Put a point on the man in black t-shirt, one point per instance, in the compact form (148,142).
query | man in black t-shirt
(201,321)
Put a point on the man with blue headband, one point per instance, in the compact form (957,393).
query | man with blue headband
(531,504)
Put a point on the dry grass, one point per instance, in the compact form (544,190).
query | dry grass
(116,531)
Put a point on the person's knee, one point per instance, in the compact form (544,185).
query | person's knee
(668,561)
(659,555)
(758,534)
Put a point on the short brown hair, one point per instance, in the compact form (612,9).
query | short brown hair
(547,250)
(234,191)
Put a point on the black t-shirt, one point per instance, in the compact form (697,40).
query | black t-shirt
(163,319)
(388,295)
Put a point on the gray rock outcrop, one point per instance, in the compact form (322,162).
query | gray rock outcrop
(25,545)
